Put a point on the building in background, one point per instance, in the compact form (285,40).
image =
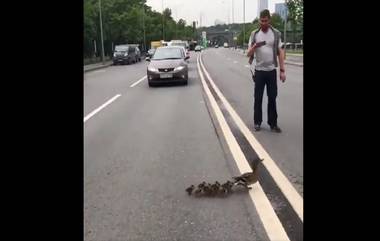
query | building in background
(262,4)
(281,9)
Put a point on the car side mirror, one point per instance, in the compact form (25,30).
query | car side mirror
(147,59)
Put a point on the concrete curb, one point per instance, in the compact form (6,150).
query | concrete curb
(290,54)
(97,67)
(294,63)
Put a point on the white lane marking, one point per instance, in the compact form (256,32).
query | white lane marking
(137,82)
(101,107)
(271,223)
(294,198)
(247,66)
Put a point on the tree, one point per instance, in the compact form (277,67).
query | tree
(89,34)
(295,8)
(277,22)
(295,16)
(249,28)
(123,23)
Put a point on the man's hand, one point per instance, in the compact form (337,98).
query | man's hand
(251,50)
(282,76)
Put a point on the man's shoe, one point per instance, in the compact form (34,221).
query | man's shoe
(275,129)
(257,127)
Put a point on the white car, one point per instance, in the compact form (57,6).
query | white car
(187,53)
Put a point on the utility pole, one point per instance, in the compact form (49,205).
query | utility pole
(285,23)
(233,11)
(144,28)
(200,19)
(176,16)
(101,30)
(244,26)
(163,35)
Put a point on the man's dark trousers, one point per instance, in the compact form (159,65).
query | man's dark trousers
(268,78)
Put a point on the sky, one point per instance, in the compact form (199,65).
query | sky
(210,10)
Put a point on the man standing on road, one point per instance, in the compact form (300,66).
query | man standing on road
(266,46)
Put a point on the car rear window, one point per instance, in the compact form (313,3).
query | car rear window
(168,53)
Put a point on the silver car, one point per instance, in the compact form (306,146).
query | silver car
(168,64)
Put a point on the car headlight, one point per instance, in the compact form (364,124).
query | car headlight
(114,54)
(126,54)
(152,69)
(179,68)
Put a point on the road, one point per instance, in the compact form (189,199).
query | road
(143,146)
(237,86)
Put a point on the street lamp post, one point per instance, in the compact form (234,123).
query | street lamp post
(163,36)
(101,30)
(285,23)
(176,16)
(95,48)
(144,27)
(243,26)
(233,12)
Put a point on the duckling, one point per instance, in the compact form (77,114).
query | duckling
(202,185)
(190,189)
(214,189)
(227,186)
(207,190)
(198,192)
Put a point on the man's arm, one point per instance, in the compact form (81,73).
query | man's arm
(281,57)
(250,49)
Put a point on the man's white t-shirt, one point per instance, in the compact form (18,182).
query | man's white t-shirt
(263,59)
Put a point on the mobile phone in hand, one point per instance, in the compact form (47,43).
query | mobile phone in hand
(259,44)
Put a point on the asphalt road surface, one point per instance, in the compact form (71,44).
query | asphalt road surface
(143,146)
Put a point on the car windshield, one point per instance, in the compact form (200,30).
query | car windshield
(167,53)
(121,48)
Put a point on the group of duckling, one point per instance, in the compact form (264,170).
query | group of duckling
(208,189)
(217,189)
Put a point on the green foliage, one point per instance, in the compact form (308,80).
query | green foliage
(123,22)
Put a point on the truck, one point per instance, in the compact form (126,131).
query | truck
(159,43)
(180,43)
(155,44)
